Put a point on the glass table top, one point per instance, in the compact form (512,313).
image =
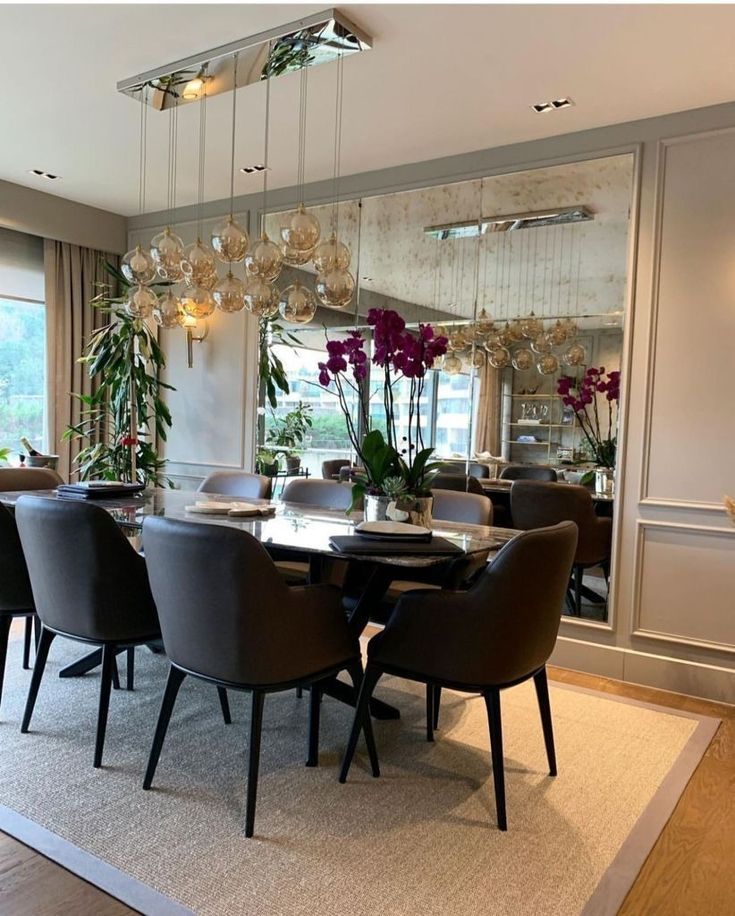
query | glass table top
(299,528)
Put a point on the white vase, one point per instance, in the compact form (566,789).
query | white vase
(605,481)
(415,510)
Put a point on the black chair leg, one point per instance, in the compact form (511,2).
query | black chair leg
(362,721)
(542,693)
(299,692)
(44,644)
(114,672)
(429,712)
(175,678)
(492,702)
(256,725)
(27,643)
(36,630)
(315,702)
(437,704)
(225,704)
(130,668)
(5,621)
(356,674)
(578,591)
(108,666)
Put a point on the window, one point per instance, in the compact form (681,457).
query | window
(454,415)
(22,341)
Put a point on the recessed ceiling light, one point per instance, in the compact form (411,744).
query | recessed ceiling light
(39,173)
(249,169)
(553,105)
(193,89)
(369,279)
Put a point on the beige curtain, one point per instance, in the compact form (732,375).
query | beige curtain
(72,274)
(487,433)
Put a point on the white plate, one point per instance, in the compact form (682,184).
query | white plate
(392,528)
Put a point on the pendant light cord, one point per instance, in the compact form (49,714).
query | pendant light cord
(337,144)
(143,148)
(265,142)
(202,157)
(234,123)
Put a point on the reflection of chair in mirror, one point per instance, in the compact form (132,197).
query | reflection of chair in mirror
(458,483)
(331,469)
(497,634)
(535,504)
(237,483)
(475,469)
(528,472)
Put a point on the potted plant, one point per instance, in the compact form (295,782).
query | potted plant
(266,462)
(582,395)
(397,473)
(4,454)
(289,432)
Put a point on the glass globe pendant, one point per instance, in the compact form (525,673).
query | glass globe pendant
(541,344)
(574,356)
(260,298)
(523,359)
(265,260)
(331,254)
(557,334)
(167,251)
(301,231)
(138,266)
(531,327)
(570,328)
(515,330)
(457,339)
(229,294)
(295,258)
(141,301)
(548,364)
(168,312)
(478,359)
(200,267)
(230,241)
(499,357)
(334,288)
(484,325)
(505,336)
(297,304)
(198,302)
(452,363)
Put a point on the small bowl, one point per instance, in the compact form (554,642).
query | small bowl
(42,461)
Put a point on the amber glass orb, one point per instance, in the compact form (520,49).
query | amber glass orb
(335,288)
(452,364)
(229,294)
(574,355)
(301,230)
(557,333)
(478,359)
(295,258)
(504,335)
(531,327)
(297,304)
(230,241)
(484,324)
(198,302)
(541,344)
(457,339)
(141,301)
(167,251)
(138,267)
(261,298)
(523,359)
(264,260)
(499,357)
(330,254)
(168,312)
(515,330)
(200,265)
(570,328)
(547,364)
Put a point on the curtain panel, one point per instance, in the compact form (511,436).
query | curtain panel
(487,433)
(72,275)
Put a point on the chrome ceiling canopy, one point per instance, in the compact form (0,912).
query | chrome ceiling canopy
(313,40)
(510,222)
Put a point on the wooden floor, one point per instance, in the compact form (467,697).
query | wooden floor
(690,871)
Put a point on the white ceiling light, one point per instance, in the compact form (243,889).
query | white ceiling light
(39,173)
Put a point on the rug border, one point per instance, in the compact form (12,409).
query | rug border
(605,900)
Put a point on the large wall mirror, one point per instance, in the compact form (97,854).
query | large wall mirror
(526,274)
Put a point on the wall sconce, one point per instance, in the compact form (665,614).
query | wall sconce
(197,330)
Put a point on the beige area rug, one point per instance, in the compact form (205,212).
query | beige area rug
(419,841)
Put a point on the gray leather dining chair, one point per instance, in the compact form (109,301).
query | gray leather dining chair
(457,482)
(233,621)
(237,483)
(332,467)
(473,468)
(322,494)
(16,597)
(28,479)
(89,585)
(498,633)
(528,472)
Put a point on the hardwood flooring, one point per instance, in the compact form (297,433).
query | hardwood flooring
(688,873)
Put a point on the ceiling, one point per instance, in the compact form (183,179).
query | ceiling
(440,80)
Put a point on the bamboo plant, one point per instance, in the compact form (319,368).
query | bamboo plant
(125,416)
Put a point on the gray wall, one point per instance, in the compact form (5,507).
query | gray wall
(671,611)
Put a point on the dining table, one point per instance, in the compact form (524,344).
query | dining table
(303,532)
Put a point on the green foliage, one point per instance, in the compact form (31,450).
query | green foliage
(290,430)
(271,373)
(4,453)
(125,360)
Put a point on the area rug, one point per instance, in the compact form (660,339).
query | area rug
(419,841)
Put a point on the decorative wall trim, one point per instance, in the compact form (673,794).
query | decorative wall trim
(685,504)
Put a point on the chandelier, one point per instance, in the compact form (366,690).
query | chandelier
(229,271)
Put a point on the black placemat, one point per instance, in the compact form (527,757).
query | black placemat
(353,543)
